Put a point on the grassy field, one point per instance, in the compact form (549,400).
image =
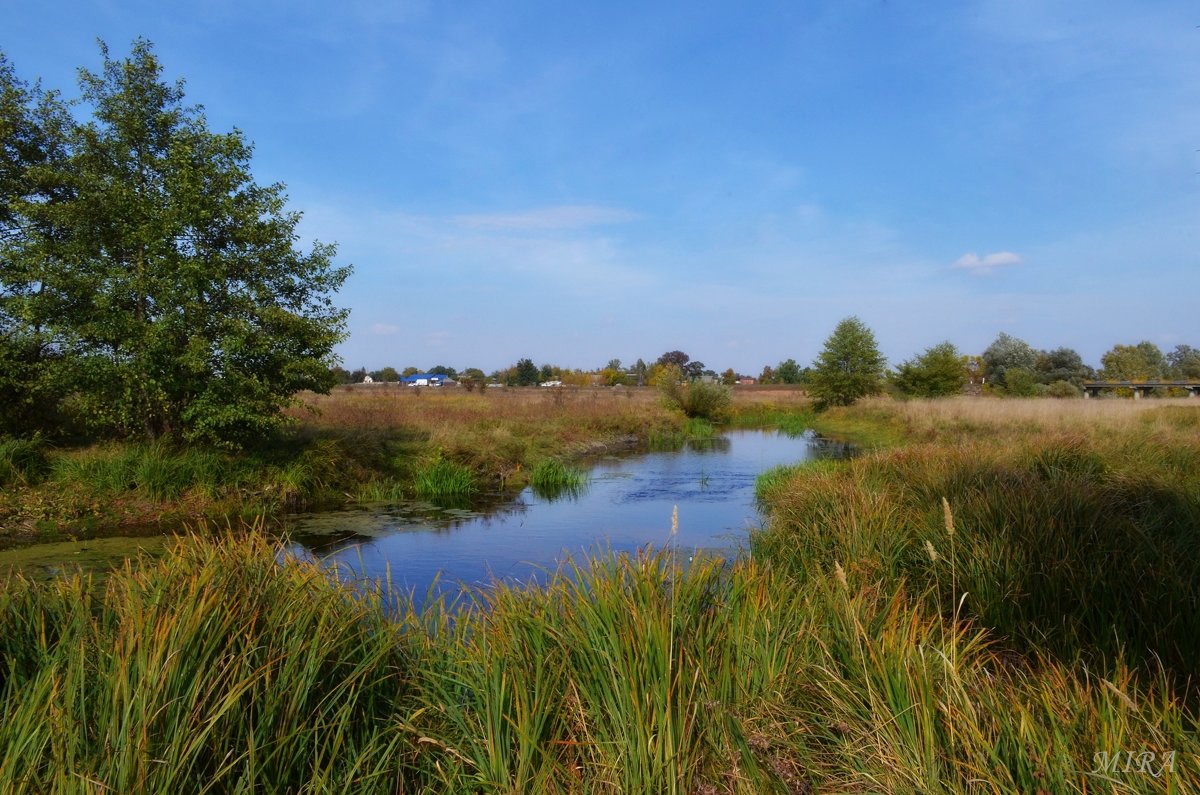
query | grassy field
(357,444)
(1001,598)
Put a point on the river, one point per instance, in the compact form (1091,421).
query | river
(626,504)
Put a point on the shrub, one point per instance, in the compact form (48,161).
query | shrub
(698,399)
(1064,389)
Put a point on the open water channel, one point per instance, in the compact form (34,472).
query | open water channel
(626,504)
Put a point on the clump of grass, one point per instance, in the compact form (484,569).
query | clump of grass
(552,478)
(212,665)
(442,478)
(1078,547)
(23,462)
(666,440)
(228,663)
(699,428)
(157,471)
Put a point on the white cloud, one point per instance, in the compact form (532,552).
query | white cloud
(984,265)
(384,329)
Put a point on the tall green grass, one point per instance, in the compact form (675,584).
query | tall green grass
(1085,548)
(225,667)
(552,478)
(23,462)
(442,478)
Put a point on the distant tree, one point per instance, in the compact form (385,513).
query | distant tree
(1005,353)
(693,370)
(613,364)
(386,374)
(938,372)
(612,376)
(677,358)
(471,378)
(407,371)
(1141,362)
(640,371)
(788,372)
(1063,389)
(546,373)
(441,369)
(848,368)
(1184,363)
(358,376)
(1021,382)
(525,373)
(767,376)
(729,377)
(342,375)
(660,374)
(1063,364)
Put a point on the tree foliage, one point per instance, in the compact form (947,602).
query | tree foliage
(525,373)
(789,372)
(1005,353)
(1184,363)
(938,372)
(677,358)
(146,276)
(848,368)
(1063,364)
(1141,362)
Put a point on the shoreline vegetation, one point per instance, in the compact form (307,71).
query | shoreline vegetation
(995,596)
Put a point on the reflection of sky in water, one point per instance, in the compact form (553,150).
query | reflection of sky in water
(626,504)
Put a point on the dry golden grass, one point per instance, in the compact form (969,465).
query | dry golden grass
(1034,414)
(391,407)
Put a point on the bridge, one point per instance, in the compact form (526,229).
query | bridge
(1140,388)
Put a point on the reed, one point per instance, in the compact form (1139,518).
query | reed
(552,478)
(224,666)
(442,478)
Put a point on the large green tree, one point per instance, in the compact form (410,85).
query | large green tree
(35,126)
(1141,362)
(184,306)
(848,368)
(1063,364)
(1184,362)
(938,372)
(1009,353)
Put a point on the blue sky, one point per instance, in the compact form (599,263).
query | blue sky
(575,182)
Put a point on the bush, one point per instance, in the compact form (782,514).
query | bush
(698,399)
(1064,389)
(938,372)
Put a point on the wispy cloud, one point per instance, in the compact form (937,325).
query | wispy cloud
(569,216)
(982,266)
(384,329)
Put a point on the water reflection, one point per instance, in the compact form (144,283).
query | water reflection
(626,505)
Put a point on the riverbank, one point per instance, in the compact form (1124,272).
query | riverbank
(352,445)
(1001,599)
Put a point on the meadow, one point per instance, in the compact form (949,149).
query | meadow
(366,443)
(999,596)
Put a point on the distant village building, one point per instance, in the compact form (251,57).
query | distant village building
(427,379)
(368,379)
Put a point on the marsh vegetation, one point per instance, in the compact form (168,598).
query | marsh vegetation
(996,595)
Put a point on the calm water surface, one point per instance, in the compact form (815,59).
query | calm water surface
(626,505)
